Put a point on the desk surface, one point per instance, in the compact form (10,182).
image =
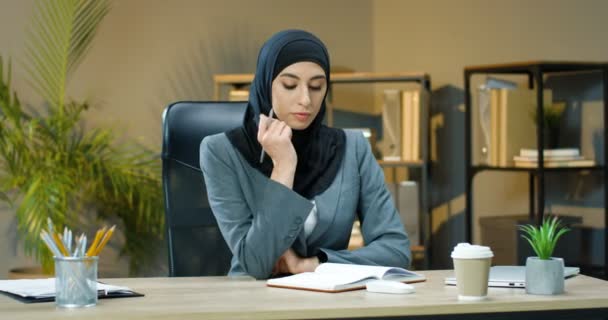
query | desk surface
(245,298)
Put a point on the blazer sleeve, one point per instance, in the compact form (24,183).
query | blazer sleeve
(383,233)
(257,233)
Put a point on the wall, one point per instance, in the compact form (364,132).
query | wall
(441,38)
(149,53)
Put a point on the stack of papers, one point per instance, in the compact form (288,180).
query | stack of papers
(43,290)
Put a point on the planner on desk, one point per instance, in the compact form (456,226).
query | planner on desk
(43,290)
(338,277)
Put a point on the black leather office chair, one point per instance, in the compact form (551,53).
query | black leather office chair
(196,246)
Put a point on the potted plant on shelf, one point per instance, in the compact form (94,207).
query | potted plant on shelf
(51,165)
(551,123)
(544,273)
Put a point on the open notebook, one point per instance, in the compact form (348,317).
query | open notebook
(338,277)
(43,290)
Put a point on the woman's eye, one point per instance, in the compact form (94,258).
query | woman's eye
(288,87)
(314,88)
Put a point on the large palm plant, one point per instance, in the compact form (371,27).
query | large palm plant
(50,166)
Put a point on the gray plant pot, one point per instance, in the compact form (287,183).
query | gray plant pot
(544,276)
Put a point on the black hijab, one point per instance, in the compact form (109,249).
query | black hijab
(320,149)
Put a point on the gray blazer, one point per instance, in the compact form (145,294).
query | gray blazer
(260,218)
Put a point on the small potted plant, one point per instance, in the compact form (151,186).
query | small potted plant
(551,120)
(544,273)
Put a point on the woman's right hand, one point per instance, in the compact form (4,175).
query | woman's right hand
(275,137)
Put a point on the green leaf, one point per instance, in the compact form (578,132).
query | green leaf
(543,239)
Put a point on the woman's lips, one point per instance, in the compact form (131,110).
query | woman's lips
(301,116)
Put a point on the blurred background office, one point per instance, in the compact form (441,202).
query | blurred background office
(149,53)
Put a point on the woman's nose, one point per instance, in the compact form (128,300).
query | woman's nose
(304,97)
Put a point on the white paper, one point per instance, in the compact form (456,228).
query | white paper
(45,287)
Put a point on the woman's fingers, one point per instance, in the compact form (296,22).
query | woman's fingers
(274,129)
(275,137)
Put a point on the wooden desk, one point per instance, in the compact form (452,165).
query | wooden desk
(245,298)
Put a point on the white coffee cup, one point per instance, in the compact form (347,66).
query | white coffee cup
(472,268)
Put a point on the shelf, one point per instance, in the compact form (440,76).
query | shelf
(492,168)
(543,66)
(535,71)
(340,77)
(242,79)
(409,163)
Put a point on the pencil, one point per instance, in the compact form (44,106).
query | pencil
(93,246)
(60,245)
(105,240)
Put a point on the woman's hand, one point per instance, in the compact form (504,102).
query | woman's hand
(290,262)
(275,137)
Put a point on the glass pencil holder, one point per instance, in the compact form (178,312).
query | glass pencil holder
(75,282)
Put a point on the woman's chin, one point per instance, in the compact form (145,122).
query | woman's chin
(296,125)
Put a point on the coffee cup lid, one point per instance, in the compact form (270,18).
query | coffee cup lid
(470,251)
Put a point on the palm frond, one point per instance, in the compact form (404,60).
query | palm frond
(89,15)
(47,195)
(47,48)
(60,34)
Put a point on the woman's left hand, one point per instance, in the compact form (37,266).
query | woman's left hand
(290,262)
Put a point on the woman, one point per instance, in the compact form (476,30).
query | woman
(286,191)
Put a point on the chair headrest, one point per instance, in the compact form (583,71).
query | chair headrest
(185,124)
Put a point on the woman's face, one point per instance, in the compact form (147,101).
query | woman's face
(297,94)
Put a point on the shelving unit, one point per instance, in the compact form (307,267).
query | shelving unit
(423,79)
(535,71)
(239,80)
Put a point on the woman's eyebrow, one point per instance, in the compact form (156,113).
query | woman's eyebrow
(291,75)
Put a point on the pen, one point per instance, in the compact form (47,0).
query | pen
(270,114)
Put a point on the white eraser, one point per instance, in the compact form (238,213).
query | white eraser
(386,286)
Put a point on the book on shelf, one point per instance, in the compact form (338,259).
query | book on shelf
(505,123)
(338,277)
(238,95)
(402,117)
(516,129)
(550,153)
(483,121)
(516,124)
(548,158)
(556,164)
(407,121)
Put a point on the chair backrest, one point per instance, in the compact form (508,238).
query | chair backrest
(196,246)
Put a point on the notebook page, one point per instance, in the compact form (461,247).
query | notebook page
(360,271)
(321,281)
